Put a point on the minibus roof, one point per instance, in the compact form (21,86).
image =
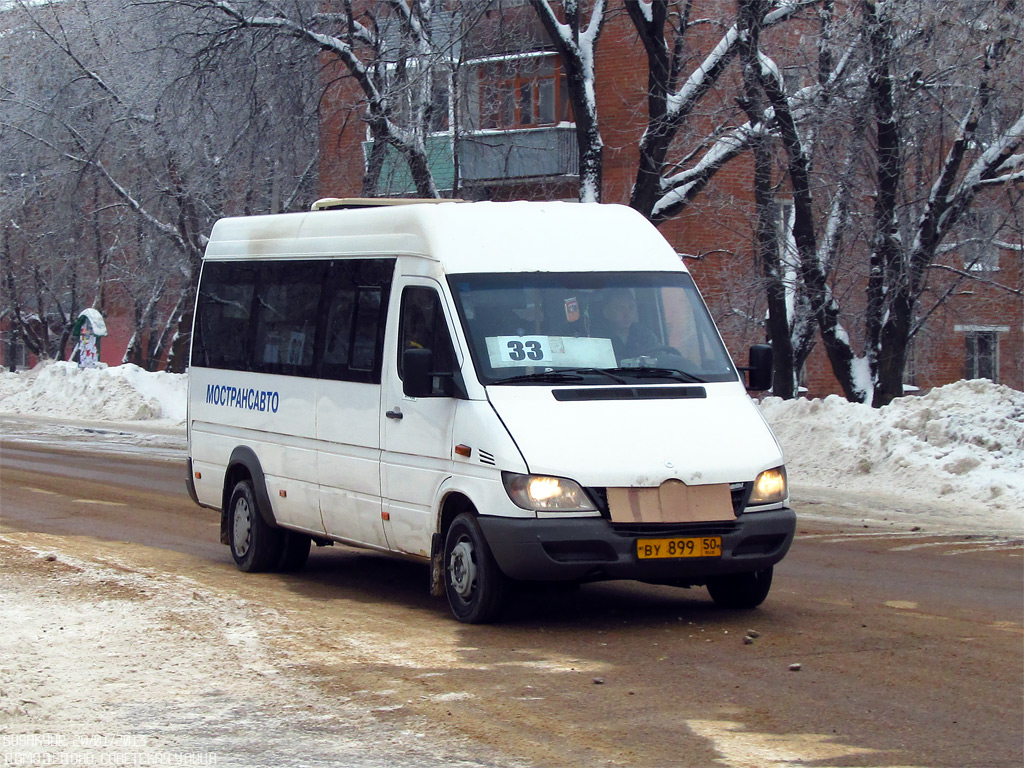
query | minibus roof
(463,237)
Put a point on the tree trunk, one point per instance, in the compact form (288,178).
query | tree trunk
(766,236)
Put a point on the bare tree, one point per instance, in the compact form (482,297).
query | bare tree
(669,175)
(911,95)
(165,147)
(390,49)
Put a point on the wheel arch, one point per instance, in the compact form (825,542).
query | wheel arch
(453,503)
(244,464)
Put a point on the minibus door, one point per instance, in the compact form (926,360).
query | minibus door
(349,401)
(417,430)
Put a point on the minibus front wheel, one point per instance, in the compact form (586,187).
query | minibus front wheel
(741,590)
(255,546)
(473,582)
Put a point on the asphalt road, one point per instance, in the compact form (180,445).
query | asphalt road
(910,644)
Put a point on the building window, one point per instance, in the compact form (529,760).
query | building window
(978,249)
(522,92)
(981,358)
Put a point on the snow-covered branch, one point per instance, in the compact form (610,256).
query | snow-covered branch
(680,188)
(707,72)
(975,277)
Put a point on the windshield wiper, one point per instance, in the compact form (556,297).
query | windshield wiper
(660,373)
(609,374)
(563,375)
(542,377)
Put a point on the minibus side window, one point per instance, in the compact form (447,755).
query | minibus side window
(285,316)
(222,330)
(341,305)
(422,326)
(354,304)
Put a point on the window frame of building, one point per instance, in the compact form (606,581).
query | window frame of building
(981,351)
(978,251)
(520,91)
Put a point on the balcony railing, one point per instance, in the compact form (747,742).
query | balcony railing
(499,155)
(530,153)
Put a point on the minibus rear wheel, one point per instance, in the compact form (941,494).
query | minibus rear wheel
(295,552)
(741,590)
(255,545)
(473,582)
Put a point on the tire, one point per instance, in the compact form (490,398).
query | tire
(741,590)
(473,582)
(294,552)
(255,545)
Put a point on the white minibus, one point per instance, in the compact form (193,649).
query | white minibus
(510,392)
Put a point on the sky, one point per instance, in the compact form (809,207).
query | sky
(951,459)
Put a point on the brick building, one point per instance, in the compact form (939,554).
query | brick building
(508,134)
(505,131)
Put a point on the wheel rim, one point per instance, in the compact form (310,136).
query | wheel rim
(242,521)
(462,569)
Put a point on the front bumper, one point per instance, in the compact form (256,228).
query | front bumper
(592,549)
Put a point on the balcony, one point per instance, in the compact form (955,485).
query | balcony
(520,154)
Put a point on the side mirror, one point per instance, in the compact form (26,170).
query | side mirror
(416,377)
(759,372)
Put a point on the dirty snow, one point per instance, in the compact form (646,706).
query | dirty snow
(952,458)
(106,663)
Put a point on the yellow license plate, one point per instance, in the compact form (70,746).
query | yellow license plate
(703,546)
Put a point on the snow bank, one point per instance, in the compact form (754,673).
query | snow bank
(962,444)
(121,393)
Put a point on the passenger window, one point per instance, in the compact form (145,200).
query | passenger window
(423,326)
(285,316)
(338,329)
(364,347)
(355,300)
(296,318)
(224,304)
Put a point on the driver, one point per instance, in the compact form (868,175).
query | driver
(620,322)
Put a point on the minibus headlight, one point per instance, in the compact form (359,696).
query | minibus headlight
(770,487)
(541,493)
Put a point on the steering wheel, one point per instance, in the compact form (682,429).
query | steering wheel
(661,349)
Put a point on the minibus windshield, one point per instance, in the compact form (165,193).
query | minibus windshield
(589,327)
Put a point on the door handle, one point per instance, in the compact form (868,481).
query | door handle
(396,414)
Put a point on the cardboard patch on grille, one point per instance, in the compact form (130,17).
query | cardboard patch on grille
(672,502)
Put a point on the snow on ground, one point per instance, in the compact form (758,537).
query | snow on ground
(114,663)
(954,457)
(107,662)
(121,393)
(955,453)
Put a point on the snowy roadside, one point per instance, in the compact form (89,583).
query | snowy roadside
(106,662)
(111,655)
(951,461)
